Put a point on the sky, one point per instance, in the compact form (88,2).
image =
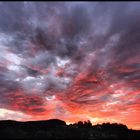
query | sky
(73,61)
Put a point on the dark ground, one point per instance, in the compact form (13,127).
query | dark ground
(57,129)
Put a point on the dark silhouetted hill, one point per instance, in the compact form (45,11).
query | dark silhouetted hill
(57,129)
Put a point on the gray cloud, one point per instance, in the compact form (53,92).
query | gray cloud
(40,40)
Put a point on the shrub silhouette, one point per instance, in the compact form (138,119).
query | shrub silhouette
(84,124)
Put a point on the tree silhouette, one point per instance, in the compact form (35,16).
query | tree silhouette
(55,129)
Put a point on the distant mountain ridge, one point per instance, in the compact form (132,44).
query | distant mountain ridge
(55,129)
(42,124)
(49,120)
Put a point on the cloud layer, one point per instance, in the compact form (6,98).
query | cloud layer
(70,60)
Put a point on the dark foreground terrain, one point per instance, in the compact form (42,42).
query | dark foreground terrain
(57,129)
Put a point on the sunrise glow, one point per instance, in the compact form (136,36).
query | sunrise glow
(73,61)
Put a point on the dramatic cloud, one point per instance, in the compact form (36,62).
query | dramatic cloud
(70,60)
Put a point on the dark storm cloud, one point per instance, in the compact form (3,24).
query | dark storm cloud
(8,86)
(32,72)
(21,27)
(74,24)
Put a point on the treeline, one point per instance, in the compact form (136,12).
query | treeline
(57,129)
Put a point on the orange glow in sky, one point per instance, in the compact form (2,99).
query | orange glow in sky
(74,61)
